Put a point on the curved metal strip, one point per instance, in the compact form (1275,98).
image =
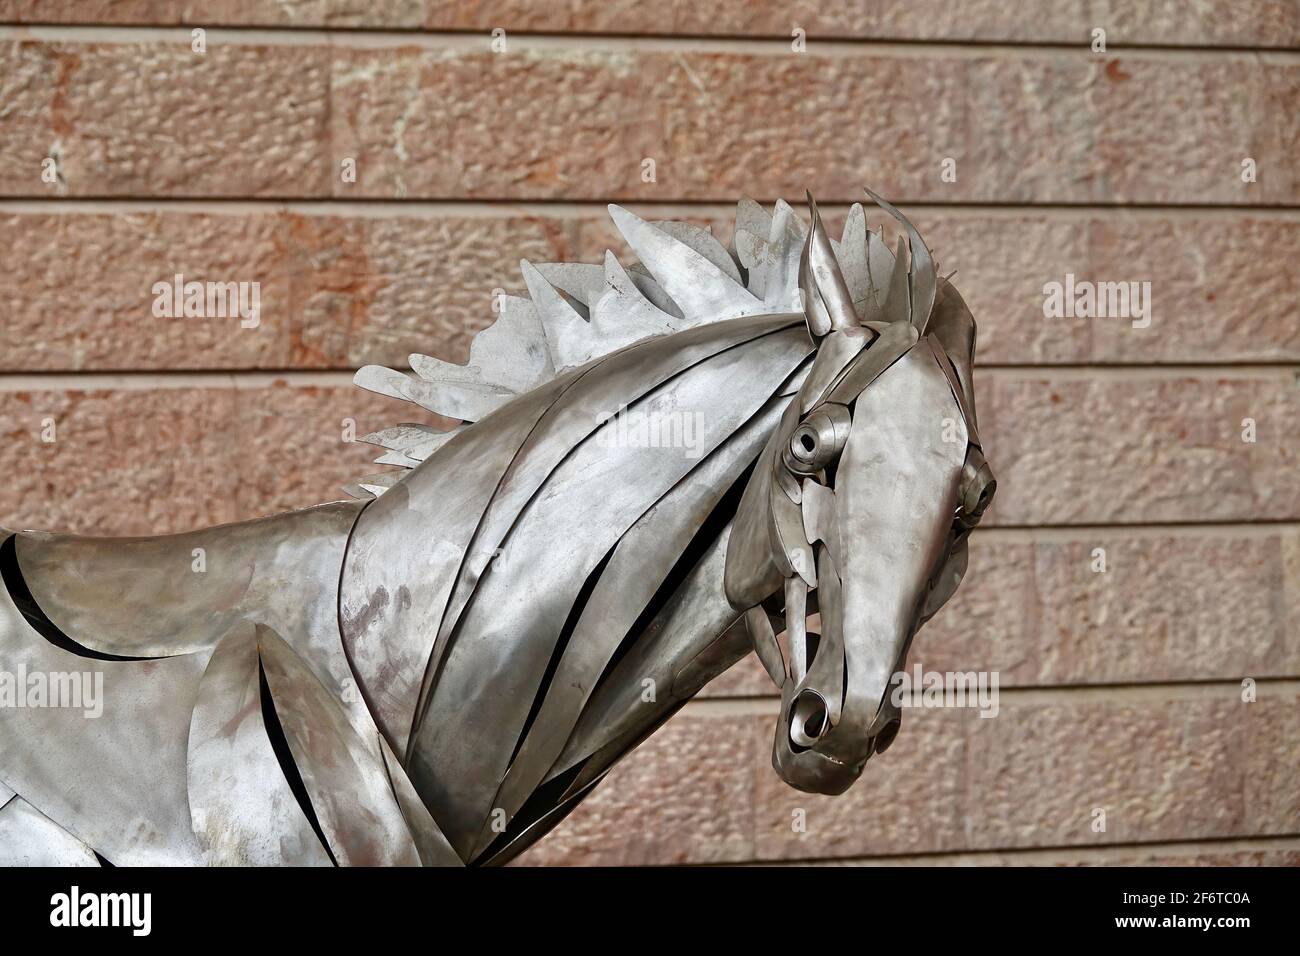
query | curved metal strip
(401,436)
(766,645)
(704,292)
(696,619)
(108,765)
(958,392)
(954,326)
(30,838)
(501,647)
(921,277)
(826,298)
(406,551)
(614,382)
(345,779)
(642,559)
(756,562)
(179,594)
(895,340)
(432,846)
(702,240)
(243,810)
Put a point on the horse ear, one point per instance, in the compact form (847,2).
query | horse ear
(916,298)
(827,303)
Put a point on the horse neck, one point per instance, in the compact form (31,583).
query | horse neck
(537,550)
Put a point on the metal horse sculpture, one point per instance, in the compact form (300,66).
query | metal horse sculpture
(438,672)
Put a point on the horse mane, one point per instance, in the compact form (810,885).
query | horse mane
(577,313)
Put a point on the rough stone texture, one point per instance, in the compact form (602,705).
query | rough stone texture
(1255,852)
(1165,765)
(1252,23)
(545,122)
(684,797)
(335,292)
(577,124)
(152,461)
(345,291)
(121,462)
(156,119)
(1096,449)
(1185,607)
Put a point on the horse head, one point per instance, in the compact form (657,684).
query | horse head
(860,505)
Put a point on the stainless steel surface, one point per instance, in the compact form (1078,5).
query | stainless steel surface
(30,838)
(660,465)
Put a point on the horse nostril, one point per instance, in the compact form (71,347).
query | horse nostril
(808,718)
(886,736)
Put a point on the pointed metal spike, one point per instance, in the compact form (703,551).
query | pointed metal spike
(467,402)
(395,458)
(422,450)
(880,271)
(852,252)
(551,305)
(702,241)
(379,483)
(651,289)
(399,436)
(698,286)
(568,334)
(751,217)
(785,221)
(584,281)
(897,307)
(513,351)
(356,491)
(382,381)
(783,254)
(921,272)
(827,301)
(623,315)
(435,370)
(752,251)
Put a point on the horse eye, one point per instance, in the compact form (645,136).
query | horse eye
(818,439)
(805,443)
